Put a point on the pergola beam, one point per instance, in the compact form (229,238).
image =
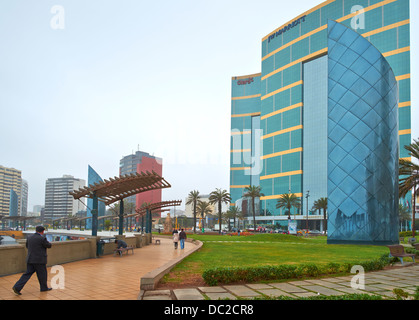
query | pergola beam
(117,189)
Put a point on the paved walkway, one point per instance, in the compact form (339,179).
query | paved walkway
(376,283)
(105,278)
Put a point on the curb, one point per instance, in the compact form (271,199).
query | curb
(149,281)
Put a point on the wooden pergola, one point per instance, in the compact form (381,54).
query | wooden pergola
(16,219)
(117,189)
(147,210)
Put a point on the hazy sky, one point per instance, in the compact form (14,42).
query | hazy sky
(129,74)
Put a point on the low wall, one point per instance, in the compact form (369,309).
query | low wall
(150,280)
(13,257)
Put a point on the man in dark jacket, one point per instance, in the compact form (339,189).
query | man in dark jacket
(121,244)
(36,261)
(182,237)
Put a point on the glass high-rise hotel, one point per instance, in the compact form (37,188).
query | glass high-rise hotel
(329,114)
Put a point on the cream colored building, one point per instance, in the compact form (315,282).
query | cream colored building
(10,178)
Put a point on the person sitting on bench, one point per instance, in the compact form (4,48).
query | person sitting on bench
(121,244)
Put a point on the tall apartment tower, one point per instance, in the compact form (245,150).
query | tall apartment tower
(58,202)
(10,185)
(142,162)
(24,199)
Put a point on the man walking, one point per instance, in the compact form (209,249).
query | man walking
(36,261)
(182,238)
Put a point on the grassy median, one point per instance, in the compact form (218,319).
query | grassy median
(264,249)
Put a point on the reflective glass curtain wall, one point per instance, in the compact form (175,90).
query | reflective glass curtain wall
(315,131)
(362,141)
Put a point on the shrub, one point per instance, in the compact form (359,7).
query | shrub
(309,270)
(225,275)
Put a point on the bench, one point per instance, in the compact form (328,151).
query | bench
(397,251)
(122,250)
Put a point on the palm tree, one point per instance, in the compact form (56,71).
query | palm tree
(193,197)
(319,205)
(241,217)
(253,192)
(219,197)
(203,208)
(404,215)
(409,177)
(288,200)
(233,212)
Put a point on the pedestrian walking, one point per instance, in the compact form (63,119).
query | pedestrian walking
(175,238)
(182,238)
(36,261)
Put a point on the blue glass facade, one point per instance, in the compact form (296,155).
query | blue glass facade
(292,102)
(92,178)
(315,130)
(362,141)
(245,153)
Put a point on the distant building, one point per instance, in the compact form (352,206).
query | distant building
(58,202)
(24,198)
(10,179)
(137,163)
(37,209)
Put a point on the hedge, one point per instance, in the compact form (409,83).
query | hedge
(226,275)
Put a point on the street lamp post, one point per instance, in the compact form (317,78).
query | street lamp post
(307,195)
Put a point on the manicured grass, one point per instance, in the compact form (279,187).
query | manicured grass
(267,249)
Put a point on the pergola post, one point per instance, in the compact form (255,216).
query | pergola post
(147,218)
(121,217)
(94,214)
(150,221)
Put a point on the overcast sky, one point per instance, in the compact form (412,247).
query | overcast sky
(123,75)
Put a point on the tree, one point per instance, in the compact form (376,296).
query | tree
(404,214)
(319,205)
(288,200)
(409,177)
(203,208)
(253,192)
(233,212)
(219,197)
(193,197)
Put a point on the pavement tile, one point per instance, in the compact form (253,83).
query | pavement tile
(275,293)
(305,294)
(332,280)
(300,283)
(188,294)
(163,297)
(242,291)
(259,286)
(323,290)
(212,289)
(220,296)
(157,293)
(287,287)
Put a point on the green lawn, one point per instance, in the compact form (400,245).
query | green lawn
(267,249)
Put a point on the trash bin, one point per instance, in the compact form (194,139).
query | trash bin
(100,248)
